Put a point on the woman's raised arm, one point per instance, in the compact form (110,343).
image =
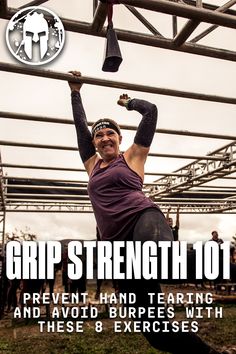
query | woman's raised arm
(136,155)
(84,137)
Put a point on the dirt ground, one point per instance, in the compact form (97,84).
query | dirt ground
(23,336)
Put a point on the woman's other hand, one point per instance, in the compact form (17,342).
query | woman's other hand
(123,100)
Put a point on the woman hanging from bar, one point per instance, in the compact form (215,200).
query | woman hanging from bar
(121,209)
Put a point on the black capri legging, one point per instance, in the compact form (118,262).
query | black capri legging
(152,226)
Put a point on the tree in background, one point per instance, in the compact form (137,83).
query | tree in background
(21,235)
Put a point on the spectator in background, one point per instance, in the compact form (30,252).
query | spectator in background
(233,254)
(174,229)
(215,237)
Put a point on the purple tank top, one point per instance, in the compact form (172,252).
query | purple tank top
(116,195)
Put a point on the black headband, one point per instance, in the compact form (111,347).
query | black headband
(104,124)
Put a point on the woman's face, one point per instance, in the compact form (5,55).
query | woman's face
(107,142)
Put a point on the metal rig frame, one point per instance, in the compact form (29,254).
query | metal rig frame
(185,187)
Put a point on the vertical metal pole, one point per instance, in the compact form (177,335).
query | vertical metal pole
(95,5)
(2,239)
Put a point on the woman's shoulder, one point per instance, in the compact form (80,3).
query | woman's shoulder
(91,163)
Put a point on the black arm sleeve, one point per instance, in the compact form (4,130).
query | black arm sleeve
(147,126)
(86,147)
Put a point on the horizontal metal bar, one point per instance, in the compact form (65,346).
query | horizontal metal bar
(150,40)
(218,187)
(44,187)
(227,177)
(33,118)
(191,25)
(202,205)
(81,186)
(209,6)
(48,201)
(222,8)
(55,168)
(71,148)
(196,134)
(37,146)
(164,174)
(145,39)
(194,13)
(191,211)
(154,41)
(207,192)
(33,179)
(60,209)
(84,204)
(79,183)
(48,211)
(170,201)
(43,119)
(193,200)
(50,168)
(49,205)
(77,205)
(45,195)
(114,84)
(194,157)
(88,211)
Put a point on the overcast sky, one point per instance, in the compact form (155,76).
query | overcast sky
(141,65)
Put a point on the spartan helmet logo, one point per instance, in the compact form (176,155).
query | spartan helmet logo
(35,35)
(35,29)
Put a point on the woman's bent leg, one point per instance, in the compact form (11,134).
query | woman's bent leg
(158,329)
(152,226)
